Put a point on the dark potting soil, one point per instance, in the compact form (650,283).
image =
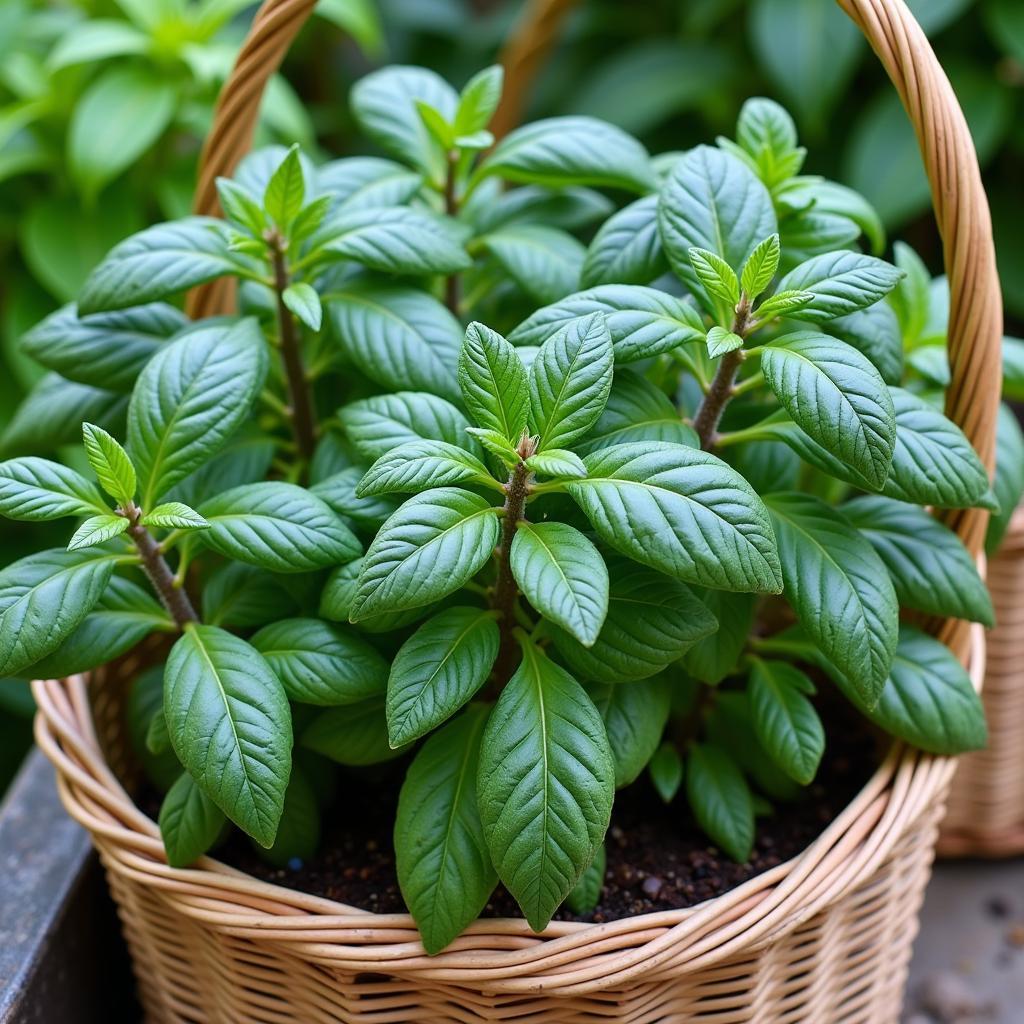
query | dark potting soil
(656,858)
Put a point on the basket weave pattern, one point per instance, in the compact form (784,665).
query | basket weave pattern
(986,804)
(822,939)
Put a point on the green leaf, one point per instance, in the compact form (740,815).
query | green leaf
(874,332)
(97,530)
(230,726)
(190,822)
(713,201)
(124,615)
(717,277)
(491,206)
(277,526)
(785,720)
(682,512)
(634,716)
(545,786)
(720,799)
(497,444)
(761,266)
(395,240)
(384,106)
(438,669)
(545,262)
(416,465)
(1013,369)
(105,350)
(34,490)
(377,425)
(437,126)
(837,397)
(782,304)
(838,587)
(841,283)
(353,735)
(563,576)
(666,770)
(651,621)
(322,664)
(302,299)
(118,117)
(160,261)
(928,700)
(1008,485)
(627,247)
(298,834)
(340,492)
(189,401)
(587,894)
(557,462)
(643,322)
(721,341)
(493,382)
(444,868)
(286,190)
(571,151)
(766,132)
(242,208)
(174,515)
(637,411)
(930,568)
(110,463)
(829,199)
(716,655)
(400,338)
(570,380)
(94,41)
(479,100)
(911,298)
(429,548)
(359,18)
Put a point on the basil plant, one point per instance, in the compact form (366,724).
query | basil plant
(536,493)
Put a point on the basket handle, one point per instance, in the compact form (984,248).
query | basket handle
(958,196)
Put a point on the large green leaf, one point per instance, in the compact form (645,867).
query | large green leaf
(354,735)
(44,598)
(244,596)
(643,322)
(571,151)
(683,512)
(493,382)
(401,338)
(319,663)
(545,262)
(928,700)
(438,669)
(444,868)
(563,576)
(651,621)
(106,350)
(931,570)
(716,655)
(841,283)
(34,489)
(339,490)
(875,332)
(190,399)
(277,526)
(839,588)
(429,548)
(190,822)
(634,716)
(570,379)
(627,247)
(416,465)
(377,425)
(362,182)
(545,785)
(712,200)
(720,799)
(837,396)
(230,726)
(160,261)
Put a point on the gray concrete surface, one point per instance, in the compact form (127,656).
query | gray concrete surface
(968,965)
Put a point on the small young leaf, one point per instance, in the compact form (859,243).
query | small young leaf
(417,465)
(760,267)
(479,100)
(97,530)
(110,463)
(721,341)
(587,894)
(286,190)
(444,868)
(35,490)
(493,382)
(174,515)
(437,125)
(545,786)
(190,822)
(302,299)
(785,720)
(241,207)
(557,462)
(717,277)
(666,771)
(438,669)
(634,716)
(497,444)
(783,304)
(841,283)
(720,799)
(767,133)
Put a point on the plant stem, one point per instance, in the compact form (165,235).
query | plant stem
(301,410)
(172,595)
(451,207)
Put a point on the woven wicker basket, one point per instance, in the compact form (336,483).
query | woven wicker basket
(986,803)
(823,938)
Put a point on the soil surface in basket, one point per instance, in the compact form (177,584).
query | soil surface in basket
(657,859)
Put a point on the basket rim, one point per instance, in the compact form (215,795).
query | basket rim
(502,953)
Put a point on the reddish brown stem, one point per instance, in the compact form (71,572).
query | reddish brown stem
(506,591)
(155,566)
(452,291)
(709,415)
